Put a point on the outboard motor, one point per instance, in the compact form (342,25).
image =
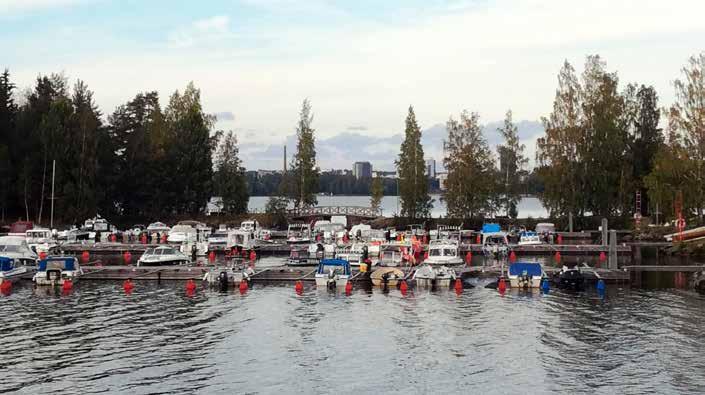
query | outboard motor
(223,282)
(331,280)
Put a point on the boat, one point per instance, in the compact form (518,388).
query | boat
(311,255)
(546,231)
(394,254)
(416,230)
(427,276)
(443,252)
(96,224)
(528,237)
(72,235)
(158,227)
(355,253)
(20,228)
(181,231)
(525,275)
(329,232)
(227,277)
(332,273)
(221,240)
(494,242)
(448,232)
(298,233)
(391,276)
(571,278)
(40,240)
(9,270)
(16,247)
(55,270)
(162,255)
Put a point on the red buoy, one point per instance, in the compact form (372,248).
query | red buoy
(143,239)
(501,285)
(190,286)
(164,237)
(211,256)
(42,255)
(67,285)
(603,257)
(403,287)
(478,239)
(468,258)
(512,257)
(299,287)
(559,239)
(348,288)
(85,257)
(127,257)
(6,288)
(458,285)
(243,286)
(128,286)
(557,257)
(113,237)
(253,256)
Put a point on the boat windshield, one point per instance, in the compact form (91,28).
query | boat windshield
(449,252)
(9,248)
(165,251)
(150,251)
(434,252)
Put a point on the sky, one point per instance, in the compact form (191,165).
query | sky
(361,63)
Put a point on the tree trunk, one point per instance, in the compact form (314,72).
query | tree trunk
(41,200)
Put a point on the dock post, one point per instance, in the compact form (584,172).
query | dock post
(604,232)
(570,222)
(613,264)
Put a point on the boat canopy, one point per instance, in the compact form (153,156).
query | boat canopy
(528,233)
(531,269)
(333,262)
(62,263)
(491,228)
(6,264)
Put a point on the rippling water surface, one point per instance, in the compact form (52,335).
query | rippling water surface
(158,340)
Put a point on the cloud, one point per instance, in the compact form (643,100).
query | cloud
(357,128)
(201,31)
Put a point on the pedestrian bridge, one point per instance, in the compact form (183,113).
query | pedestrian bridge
(326,211)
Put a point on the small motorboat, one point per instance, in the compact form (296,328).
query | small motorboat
(40,240)
(55,270)
(298,234)
(9,271)
(16,247)
(528,237)
(227,277)
(355,253)
(427,276)
(333,273)
(494,242)
(390,276)
(443,252)
(525,275)
(571,278)
(162,255)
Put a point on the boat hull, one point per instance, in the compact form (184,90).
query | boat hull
(532,282)
(323,282)
(55,278)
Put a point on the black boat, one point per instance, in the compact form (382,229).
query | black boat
(571,278)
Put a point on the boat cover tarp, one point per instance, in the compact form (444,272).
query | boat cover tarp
(334,262)
(532,269)
(528,233)
(6,264)
(57,263)
(491,228)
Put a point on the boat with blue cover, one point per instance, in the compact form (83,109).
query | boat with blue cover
(333,273)
(525,275)
(55,270)
(10,269)
(529,237)
(494,241)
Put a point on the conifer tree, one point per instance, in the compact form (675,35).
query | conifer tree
(376,193)
(302,179)
(411,171)
(229,178)
(511,162)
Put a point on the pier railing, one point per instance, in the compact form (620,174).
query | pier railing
(354,211)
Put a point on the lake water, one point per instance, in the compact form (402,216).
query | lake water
(527,207)
(97,339)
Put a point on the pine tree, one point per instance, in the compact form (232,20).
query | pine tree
(511,162)
(229,178)
(302,182)
(470,185)
(411,171)
(376,193)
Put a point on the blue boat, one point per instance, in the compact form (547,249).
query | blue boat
(333,273)
(55,270)
(10,269)
(525,275)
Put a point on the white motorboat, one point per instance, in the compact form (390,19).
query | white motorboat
(494,242)
(313,254)
(16,247)
(96,224)
(443,252)
(251,225)
(227,277)
(328,231)
(181,231)
(394,254)
(298,234)
(220,240)
(40,240)
(525,275)
(427,276)
(390,276)
(546,230)
(354,254)
(158,227)
(9,271)
(56,270)
(162,255)
(528,237)
(333,274)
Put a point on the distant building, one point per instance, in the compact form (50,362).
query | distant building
(431,168)
(442,177)
(362,170)
(384,174)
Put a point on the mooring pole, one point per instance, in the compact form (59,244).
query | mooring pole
(53,177)
(570,222)
(613,250)
(604,231)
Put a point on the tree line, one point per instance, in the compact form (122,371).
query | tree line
(144,161)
